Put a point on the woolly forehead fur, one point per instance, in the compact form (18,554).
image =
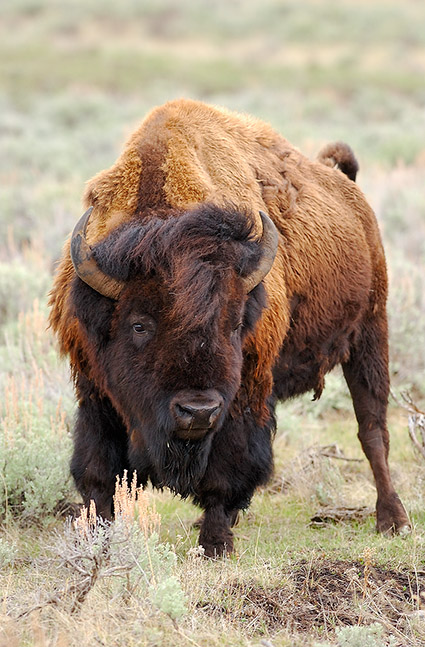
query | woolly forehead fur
(196,258)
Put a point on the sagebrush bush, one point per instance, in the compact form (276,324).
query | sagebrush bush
(34,449)
(35,406)
(125,555)
(8,553)
(359,636)
(406,310)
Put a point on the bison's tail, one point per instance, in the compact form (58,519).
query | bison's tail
(340,155)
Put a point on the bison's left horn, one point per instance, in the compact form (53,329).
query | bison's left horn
(86,266)
(269,241)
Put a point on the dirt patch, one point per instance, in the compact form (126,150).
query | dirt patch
(327,594)
(347,593)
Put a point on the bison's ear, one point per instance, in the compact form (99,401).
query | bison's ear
(93,312)
(268,247)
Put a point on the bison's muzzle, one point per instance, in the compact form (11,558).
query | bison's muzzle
(195,412)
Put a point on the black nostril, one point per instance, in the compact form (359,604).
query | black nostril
(196,415)
(183,413)
(214,412)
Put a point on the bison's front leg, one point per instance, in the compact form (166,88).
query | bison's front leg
(215,536)
(100,449)
(240,460)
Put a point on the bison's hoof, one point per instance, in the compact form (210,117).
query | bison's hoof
(391,517)
(402,531)
(217,551)
(405,530)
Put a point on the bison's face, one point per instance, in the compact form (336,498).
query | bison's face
(169,347)
(176,379)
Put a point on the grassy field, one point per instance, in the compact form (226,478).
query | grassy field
(75,78)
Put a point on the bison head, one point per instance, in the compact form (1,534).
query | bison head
(165,305)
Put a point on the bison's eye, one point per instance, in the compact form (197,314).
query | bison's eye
(143,327)
(139,328)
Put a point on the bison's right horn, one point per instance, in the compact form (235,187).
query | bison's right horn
(86,266)
(269,241)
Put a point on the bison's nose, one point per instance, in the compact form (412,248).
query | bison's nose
(195,413)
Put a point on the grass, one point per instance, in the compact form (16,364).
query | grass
(281,584)
(75,79)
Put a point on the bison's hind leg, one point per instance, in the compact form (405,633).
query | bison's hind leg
(100,450)
(367,377)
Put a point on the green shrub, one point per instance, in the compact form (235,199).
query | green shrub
(36,402)
(406,313)
(357,636)
(8,553)
(34,450)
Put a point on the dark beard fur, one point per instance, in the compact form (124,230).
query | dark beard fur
(183,464)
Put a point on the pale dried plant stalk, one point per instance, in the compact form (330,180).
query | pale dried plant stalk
(23,403)
(367,558)
(33,322)
(86,523)
(11,399)
(415,422)
(35,339)
(135,504)
(58,422)
(29,390)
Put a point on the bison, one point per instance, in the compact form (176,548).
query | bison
(215,272)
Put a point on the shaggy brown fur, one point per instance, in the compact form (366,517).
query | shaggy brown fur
(326,295)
